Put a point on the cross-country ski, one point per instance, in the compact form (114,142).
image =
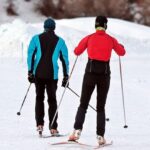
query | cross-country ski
(82,144)
(51,136)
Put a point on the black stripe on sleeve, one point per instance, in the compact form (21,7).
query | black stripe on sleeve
(63,64)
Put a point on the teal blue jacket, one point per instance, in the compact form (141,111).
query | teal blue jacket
(43,53)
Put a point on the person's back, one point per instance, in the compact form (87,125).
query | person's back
(48,41)
(99,46)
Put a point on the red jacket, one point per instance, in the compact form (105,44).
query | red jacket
(99,46)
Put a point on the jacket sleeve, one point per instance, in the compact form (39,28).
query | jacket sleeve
(81,46)
(31,54)
(64,59)
(118,48)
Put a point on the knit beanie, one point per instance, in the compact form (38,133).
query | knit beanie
(49,24)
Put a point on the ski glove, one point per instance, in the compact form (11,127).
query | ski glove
(31,78)
(64,81)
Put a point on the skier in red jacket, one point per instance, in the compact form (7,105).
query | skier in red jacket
(99,46)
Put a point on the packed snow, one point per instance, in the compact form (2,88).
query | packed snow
(19,132)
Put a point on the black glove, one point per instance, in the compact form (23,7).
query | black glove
(31,77)
(64,81)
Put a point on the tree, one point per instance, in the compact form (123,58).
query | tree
(10,9)
(133,10)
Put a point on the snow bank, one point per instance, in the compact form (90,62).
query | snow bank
(15,36)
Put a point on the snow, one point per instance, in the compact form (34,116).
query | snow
(25,10)
(19,132)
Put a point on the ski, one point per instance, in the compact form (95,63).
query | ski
(82,144)
(87,146)
(71,142)
(57,135)
(64,142)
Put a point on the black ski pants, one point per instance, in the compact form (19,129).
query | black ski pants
(51,87)
(102,83)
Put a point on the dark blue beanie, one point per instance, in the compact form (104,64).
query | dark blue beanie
(49,24)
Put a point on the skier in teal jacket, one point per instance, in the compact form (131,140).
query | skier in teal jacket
(43,53)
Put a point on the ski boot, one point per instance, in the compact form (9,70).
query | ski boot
(75,135)
(54,132)
(40,130)
(101,140)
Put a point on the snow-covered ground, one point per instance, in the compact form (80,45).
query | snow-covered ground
(19,132)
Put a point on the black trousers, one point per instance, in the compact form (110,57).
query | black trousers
(51,87)
(102,83)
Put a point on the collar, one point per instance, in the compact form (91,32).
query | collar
(49,30)
(100,31)
(100,28)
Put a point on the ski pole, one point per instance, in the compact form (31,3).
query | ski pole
(107,119)
(63,92)
(79,96)
(19,112)
(120,67)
